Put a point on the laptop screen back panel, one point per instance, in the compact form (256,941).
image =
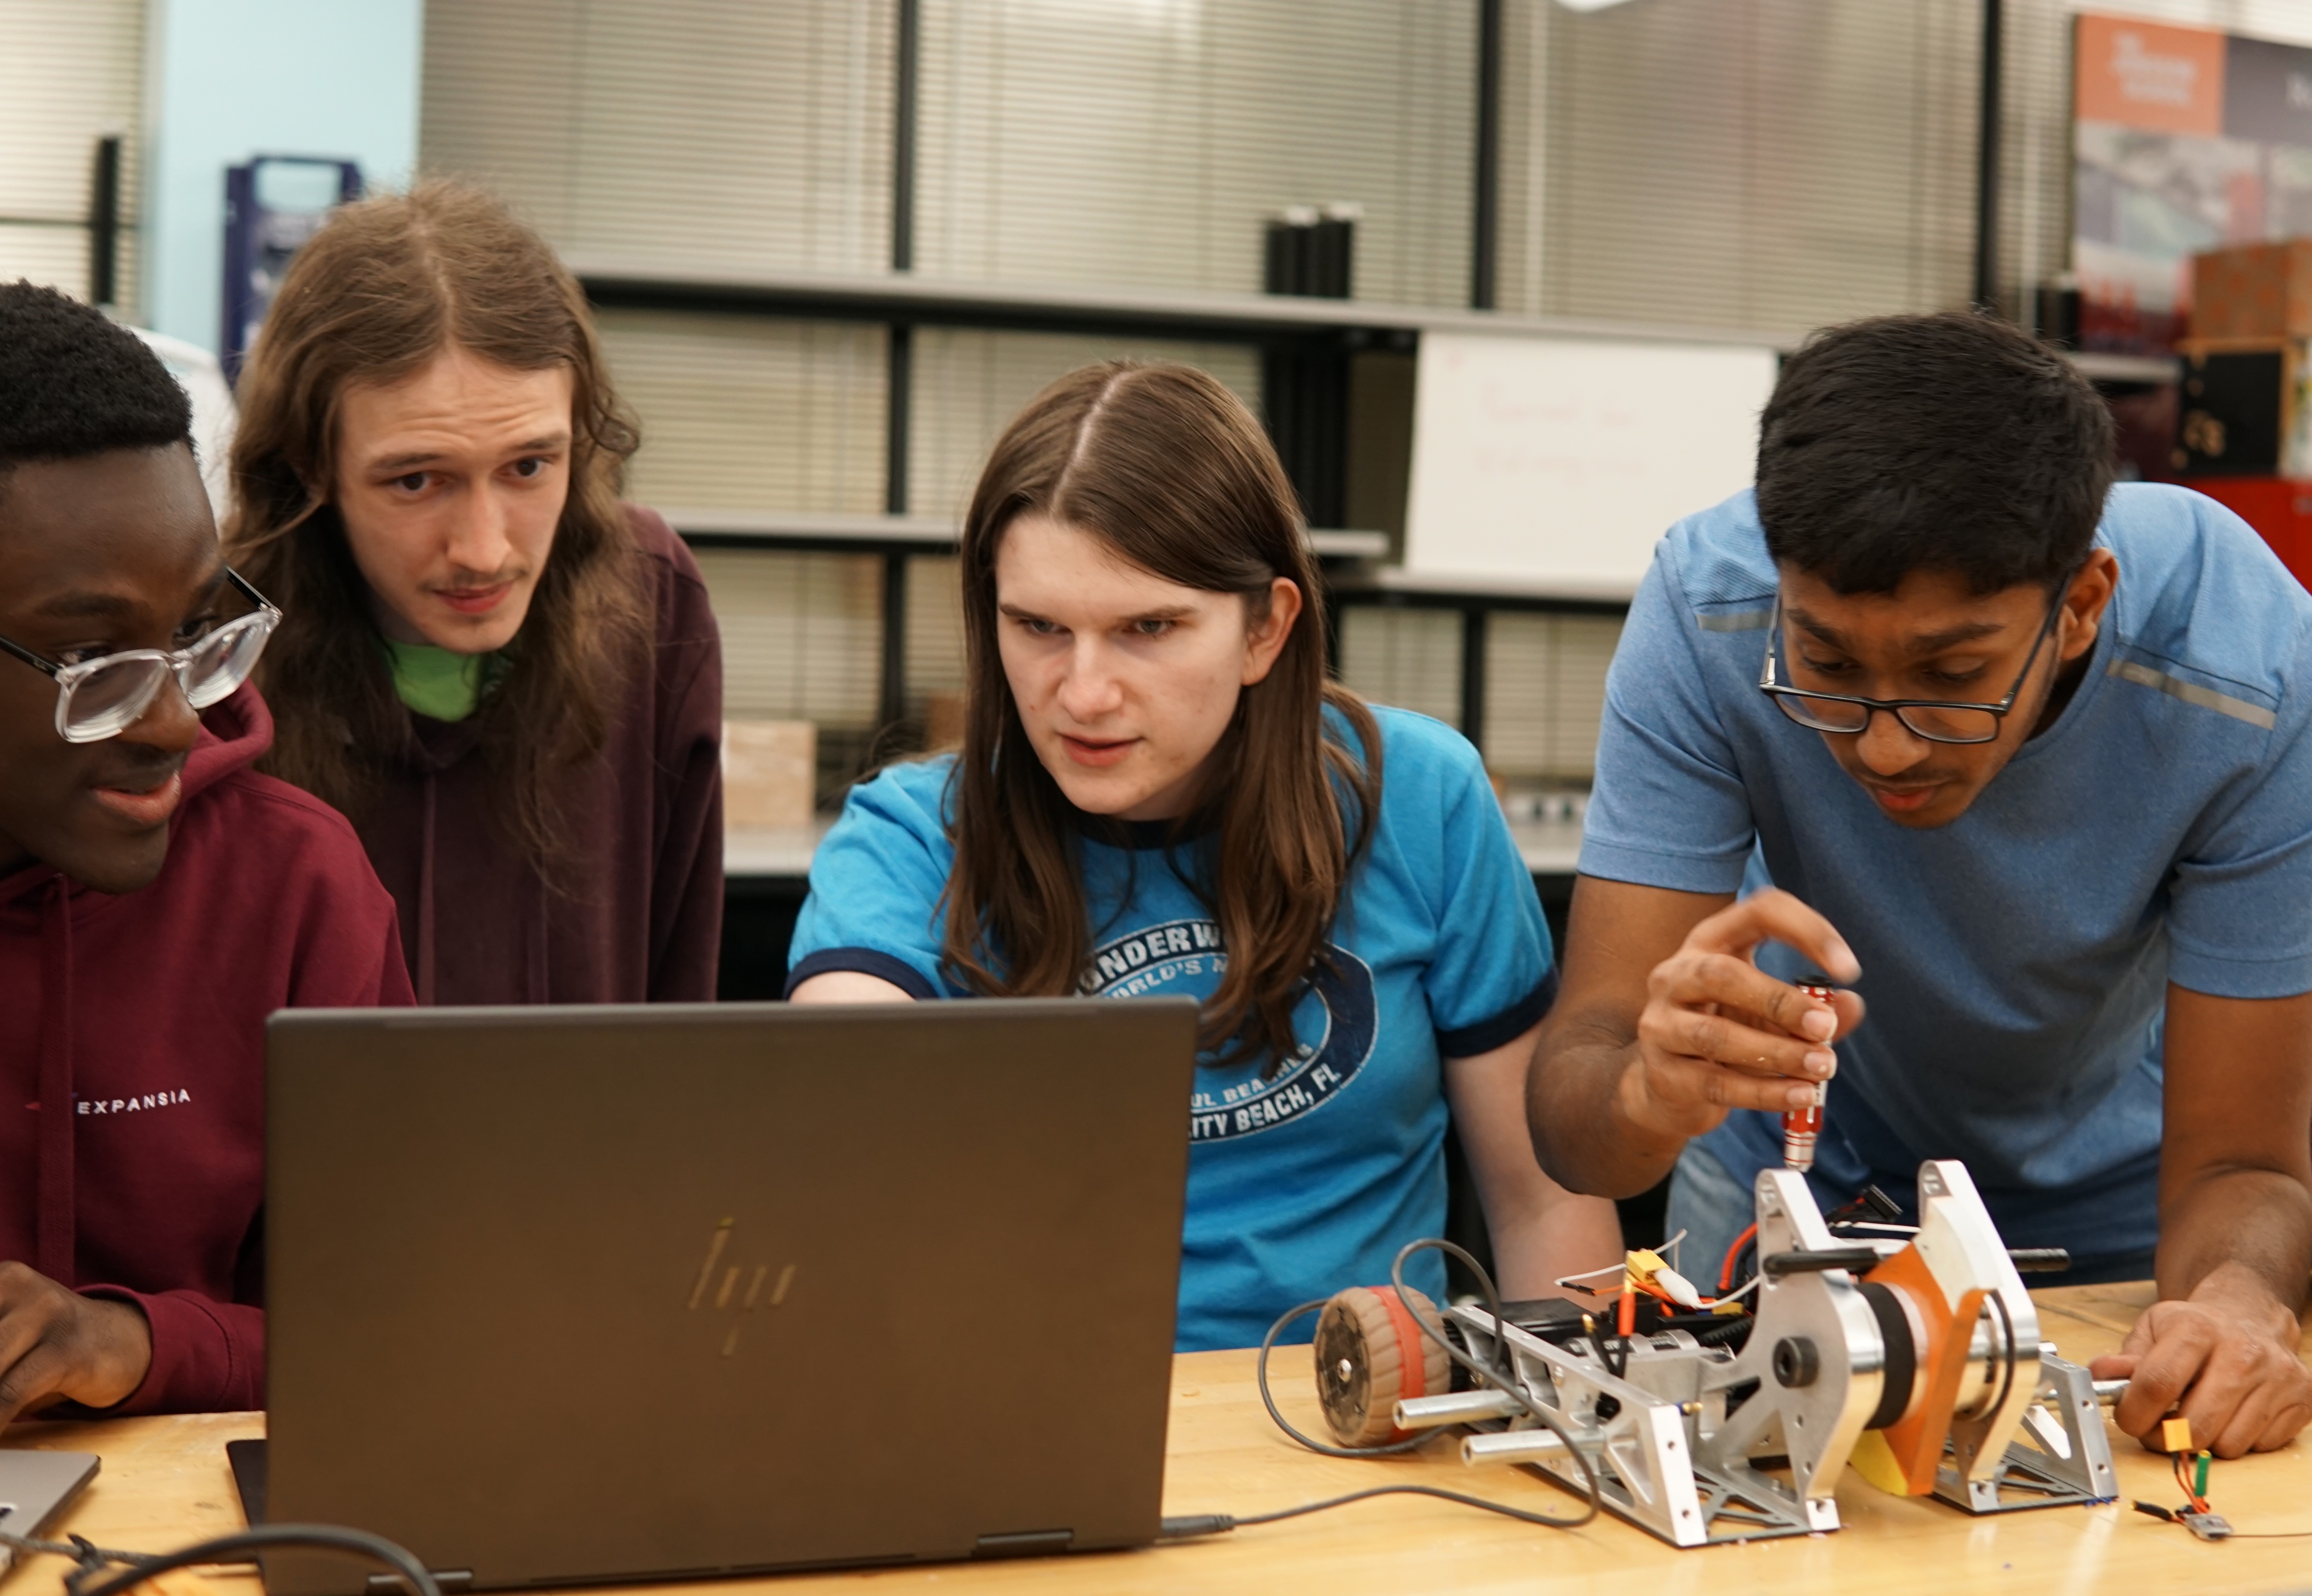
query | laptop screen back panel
(582,1295)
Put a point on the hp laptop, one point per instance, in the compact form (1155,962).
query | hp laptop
(569,1294)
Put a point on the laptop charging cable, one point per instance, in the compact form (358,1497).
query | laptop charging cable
(98,1571)
(1190,1526)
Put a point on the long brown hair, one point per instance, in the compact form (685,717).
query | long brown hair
(383,289)
(1169,468)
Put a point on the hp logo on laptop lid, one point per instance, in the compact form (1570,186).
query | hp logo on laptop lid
(724,1294)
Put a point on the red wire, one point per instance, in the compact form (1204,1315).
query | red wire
(2198,1503)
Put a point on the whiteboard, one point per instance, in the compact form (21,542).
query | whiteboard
(1556,464)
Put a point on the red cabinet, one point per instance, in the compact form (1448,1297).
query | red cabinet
(2277,507)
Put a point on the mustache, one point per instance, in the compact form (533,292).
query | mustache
(1918,775)
(135,769)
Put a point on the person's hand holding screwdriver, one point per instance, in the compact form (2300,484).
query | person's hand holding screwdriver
(1718,1033)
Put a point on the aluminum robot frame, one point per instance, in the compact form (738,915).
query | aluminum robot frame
(1918,1362)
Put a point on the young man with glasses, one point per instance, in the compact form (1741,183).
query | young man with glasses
(158,899)
(2022,759)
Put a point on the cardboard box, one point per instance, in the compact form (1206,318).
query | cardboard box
(943,723)
(2253,290)
(770,773)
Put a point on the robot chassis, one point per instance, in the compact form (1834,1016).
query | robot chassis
(1919,1362)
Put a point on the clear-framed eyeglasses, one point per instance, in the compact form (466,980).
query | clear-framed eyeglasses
(1937,720)
(104,696)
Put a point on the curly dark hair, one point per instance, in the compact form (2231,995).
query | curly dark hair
(72,384)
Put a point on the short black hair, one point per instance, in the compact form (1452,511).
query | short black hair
(1951,441)
(72,384)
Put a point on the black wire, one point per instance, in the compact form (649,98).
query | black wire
(1501,1380)
(1215,1523)
(1615,1356)
(1260,1375)
(239,1546)
(79,1548)
(1503,1508)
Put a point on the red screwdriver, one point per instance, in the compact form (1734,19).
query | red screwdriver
(1802,1126)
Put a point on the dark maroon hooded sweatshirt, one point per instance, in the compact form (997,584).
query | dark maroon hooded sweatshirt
(641,920)
(140,1019)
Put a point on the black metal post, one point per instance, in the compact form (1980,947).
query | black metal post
(891,700)
(1472,674)
(1485,209)
(892,696)
(899,396)
(898,400)
(906,67)
(104,225)
(1986,151)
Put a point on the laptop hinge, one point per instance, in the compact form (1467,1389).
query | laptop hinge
(1024,1543)
(448,1579)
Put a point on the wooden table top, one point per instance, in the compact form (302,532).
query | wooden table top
(165,1483)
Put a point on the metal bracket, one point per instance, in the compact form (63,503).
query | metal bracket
(2061,1458)
(1636,1429)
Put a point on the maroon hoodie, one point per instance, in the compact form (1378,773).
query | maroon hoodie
(146,1014)
(642,921)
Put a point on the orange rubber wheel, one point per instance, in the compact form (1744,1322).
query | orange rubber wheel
(1370,1355)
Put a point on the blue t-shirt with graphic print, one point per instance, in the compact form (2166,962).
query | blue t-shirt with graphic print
(1308,1179)
(2015,962)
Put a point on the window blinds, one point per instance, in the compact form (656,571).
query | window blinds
(713,133)
(1144,142)
(1783,164)
(1545,680)
(1758,165)
(70,74)
(1546,694)
(934,632)
(968,385)
(1408,658)
(751,412)
(801,635)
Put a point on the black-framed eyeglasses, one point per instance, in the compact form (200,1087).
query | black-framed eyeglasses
(1937,720)
(103,697)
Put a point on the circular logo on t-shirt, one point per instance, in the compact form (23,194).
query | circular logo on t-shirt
(1335,1025)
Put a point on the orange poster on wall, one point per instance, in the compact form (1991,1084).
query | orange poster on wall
(2149,76)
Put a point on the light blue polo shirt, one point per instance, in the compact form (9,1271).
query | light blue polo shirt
(2015,962)
(1304,1179)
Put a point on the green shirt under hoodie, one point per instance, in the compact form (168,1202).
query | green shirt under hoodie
(437,683)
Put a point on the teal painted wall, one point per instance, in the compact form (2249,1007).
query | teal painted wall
(230,79)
